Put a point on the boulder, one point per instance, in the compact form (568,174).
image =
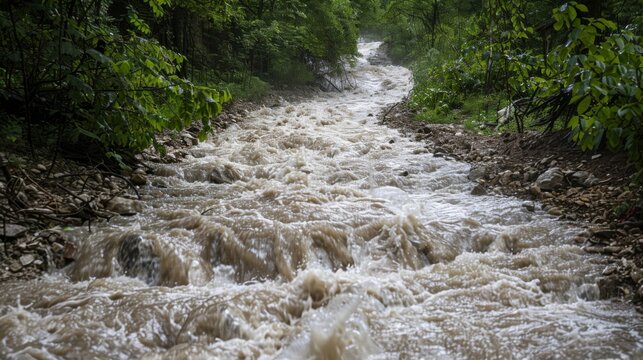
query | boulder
(551,179)
(138,177)
(583,178)
(12,231)
(478,190)
(123,206)
(529,206)
(477,172)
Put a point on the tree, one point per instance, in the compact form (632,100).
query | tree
(68,67)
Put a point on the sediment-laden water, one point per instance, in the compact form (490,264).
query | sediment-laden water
(311,232)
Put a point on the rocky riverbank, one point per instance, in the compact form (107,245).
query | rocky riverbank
(42,200)
(593,190)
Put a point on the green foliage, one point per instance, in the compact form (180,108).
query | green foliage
(75,72)
(114,73)
(602,66)
(475,112)
(587,65)
(444,85)
(251,88)
(273,40)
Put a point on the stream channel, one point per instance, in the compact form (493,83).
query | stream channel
(328,236)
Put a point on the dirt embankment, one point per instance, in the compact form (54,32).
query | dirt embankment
(593,190)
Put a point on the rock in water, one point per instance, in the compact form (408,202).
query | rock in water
(529,205)
(123,206)
(550,179)
(139,177)
(224,175)
(477,172)
(478,190)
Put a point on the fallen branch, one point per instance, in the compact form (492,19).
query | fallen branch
(390,109)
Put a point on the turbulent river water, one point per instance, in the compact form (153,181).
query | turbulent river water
(328,236)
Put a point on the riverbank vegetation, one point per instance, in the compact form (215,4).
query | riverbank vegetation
(105,76)
(530,64)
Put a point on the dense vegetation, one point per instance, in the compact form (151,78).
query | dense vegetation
(556,64)
(107,75)
(110,74)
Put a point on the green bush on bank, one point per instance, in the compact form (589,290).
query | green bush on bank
(583,69)
(75,78)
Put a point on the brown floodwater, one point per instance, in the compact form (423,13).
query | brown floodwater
(331,237)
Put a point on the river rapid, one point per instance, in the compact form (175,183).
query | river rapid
(310,231)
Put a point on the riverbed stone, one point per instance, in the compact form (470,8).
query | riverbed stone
(12,231)
(604,233)
(583,178)
(479,190)
(551,179)
(15,266)
(27,259)
(529,206)
(123,206)
(190,140)
(477,172)
(504,177)
(70,250)
(554,211)
(139,177)
(530,174)
(608,286)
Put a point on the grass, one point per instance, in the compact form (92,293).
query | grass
(474,112)
(251,88)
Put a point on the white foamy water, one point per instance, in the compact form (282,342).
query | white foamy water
(319,245)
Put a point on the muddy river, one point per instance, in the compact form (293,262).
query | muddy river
(309,231)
